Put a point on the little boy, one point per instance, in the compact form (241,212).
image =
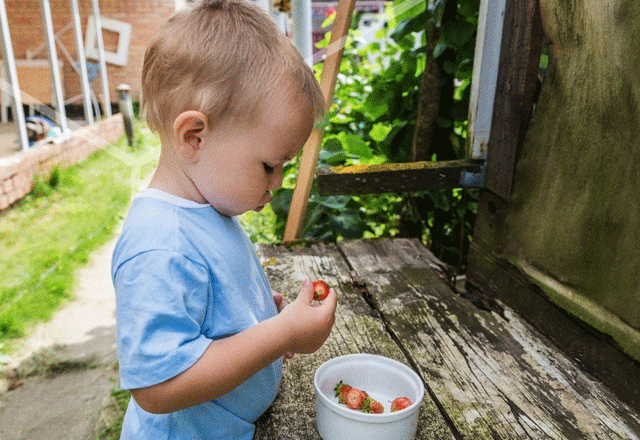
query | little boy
(201,336)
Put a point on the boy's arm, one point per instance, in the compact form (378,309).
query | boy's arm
(228,362)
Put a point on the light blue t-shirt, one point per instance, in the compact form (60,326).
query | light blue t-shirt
(185,275)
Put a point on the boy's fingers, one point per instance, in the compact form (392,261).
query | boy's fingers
(306,291)
(332,300)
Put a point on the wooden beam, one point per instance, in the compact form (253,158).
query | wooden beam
(517,76)
(485,76)
(602,356)
(398,177)
(309,158)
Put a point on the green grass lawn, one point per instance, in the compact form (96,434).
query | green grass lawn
(48,235)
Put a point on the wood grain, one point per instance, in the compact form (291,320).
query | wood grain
(394,177)
(488,373)
(358,329)
(493,375)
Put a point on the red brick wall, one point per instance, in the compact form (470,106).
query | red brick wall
(145,16)
(18,170)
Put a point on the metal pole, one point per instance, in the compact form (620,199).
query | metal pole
(82,62)
(126,108)
(265,5)
(7,50)
(103,65)
(53,63)
(302,27)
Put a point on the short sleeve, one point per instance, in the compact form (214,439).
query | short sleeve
(161,303)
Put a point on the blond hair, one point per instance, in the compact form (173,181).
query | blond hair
(223,58)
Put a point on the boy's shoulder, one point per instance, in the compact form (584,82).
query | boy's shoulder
(156,223)
(160,222)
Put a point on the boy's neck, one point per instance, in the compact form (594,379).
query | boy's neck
(170,178)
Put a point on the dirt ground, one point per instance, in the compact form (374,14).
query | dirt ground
(78,341)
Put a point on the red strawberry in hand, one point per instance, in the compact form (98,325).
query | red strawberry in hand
(320,290)
(341,391)
(400,403)
(371,405)
(355,398)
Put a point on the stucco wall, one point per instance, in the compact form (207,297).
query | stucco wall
(573,223)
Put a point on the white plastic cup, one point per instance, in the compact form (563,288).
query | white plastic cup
(383,379)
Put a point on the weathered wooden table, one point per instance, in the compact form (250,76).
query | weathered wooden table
(487,373)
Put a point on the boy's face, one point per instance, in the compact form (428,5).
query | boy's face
(240,164)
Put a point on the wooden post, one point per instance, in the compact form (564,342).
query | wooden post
(485,76)
(309,158)
(507,57)
(517,76)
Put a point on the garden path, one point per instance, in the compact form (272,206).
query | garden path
(71,403)
(76,348)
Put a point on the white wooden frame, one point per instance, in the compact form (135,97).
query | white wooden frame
(119,57)
(485,76)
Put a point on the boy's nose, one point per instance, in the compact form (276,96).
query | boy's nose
(276,179)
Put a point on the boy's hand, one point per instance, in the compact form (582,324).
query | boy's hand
(310,325)
(281,303)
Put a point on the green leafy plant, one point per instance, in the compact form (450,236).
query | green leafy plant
(372,120)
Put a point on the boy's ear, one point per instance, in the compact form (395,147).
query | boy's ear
(187,129)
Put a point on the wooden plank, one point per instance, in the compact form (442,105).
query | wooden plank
(491,372)
(485,76)
(311,149)
(358,329)
(395,177)
(517,76)
(605,360)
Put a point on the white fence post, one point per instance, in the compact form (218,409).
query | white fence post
(485,76)
(53,65)
(103,65)
(10,69)
(82,63)
(302,29)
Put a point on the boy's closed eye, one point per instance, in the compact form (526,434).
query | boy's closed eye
(268,168)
